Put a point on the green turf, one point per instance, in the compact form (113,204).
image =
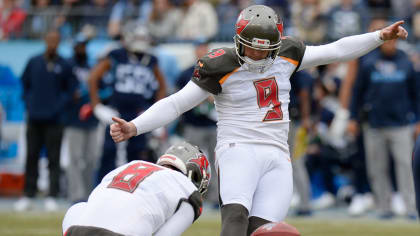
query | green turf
(34,224)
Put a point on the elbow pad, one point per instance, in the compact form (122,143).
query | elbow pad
(196,201)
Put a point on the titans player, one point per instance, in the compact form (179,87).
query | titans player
(138,83)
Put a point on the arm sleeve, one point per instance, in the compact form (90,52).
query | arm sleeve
(345,49)
(169,108)
(179,222)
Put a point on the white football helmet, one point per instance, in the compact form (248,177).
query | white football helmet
(136,37)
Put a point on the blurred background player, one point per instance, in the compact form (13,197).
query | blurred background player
(386,86)
(81,131)
(137,83)
(300,127)
(48,84)
(142,198)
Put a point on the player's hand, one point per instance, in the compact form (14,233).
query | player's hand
(417,130)
(353,128)
(122,130)
(394,31)
(104,113)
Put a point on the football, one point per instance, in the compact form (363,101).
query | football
(276,229)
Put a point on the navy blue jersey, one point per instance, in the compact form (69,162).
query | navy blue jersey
(387,89)
(134,84)
(48,86)
(81,71)
(301,80)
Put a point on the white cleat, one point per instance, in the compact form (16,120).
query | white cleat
(357,206)
(398,205)
(23,204)
(325,201)
(51,204)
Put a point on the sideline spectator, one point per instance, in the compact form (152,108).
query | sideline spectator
(347,18)
(300,126)
(81,131)
(163,20)
(199,20)
(309,22)
(128,10)
(48,84)
(387,88)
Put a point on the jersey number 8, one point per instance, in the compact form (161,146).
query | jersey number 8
(130,177)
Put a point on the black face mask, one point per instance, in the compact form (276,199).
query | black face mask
(81,57)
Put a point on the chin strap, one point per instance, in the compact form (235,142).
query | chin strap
(259,66)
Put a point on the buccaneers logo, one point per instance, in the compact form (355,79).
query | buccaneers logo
(203,163)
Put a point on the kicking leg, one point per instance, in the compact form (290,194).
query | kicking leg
(234,220)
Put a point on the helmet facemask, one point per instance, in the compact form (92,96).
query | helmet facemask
(198,171)
(136,37)
(258,27)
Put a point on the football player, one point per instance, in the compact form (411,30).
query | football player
(138,82)
(250,84)
(141,198)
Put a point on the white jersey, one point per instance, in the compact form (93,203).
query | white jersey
(251,107)
(136,195)
(254,107)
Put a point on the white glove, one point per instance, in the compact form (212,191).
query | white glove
(105,113)
(339,123)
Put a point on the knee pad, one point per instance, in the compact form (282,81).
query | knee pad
(254,223)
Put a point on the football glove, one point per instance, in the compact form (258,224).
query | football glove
(339,123)
(105,113)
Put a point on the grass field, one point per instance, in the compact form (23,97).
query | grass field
(38,223)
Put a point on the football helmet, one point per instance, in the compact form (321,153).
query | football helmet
(258,27)
(136,37)
(191,161)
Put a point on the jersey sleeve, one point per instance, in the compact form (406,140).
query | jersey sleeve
(114,54)
(211,68)
(293,49)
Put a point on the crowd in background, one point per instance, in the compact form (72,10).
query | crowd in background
(329,168)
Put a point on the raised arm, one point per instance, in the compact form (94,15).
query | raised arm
(352,47)
(160,114)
